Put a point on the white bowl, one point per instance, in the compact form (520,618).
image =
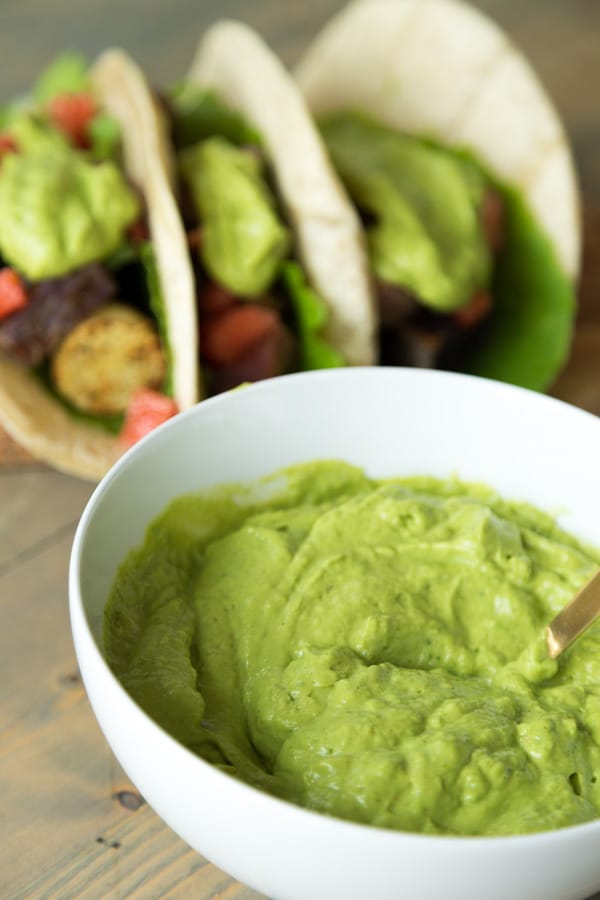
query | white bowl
(392,422)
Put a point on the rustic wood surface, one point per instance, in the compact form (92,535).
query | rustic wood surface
(71,825)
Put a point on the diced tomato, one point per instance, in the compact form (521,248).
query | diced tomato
(146,411)
(272,355)
(474,311)
(72,113)
(226,337)
(214,299)
(13,295)
(7,144)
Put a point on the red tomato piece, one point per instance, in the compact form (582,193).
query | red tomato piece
(13,294)
(228,336)
(146,411)
(72,113)
(7,144)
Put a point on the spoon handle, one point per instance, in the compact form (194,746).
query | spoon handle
(577,615)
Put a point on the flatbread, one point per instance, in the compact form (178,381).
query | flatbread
(37,421)
(234,62)
(442,69)
(30,413)
(149,162)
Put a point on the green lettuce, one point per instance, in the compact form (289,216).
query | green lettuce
(66,74)
(528,337)
(200,114)
(311,316)
(104,136)
(157,305)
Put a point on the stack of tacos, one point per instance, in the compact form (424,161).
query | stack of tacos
(460,168)
(212,235)
(230,236)
(87,321)
(276,247)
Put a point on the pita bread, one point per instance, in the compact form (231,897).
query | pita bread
(149,163)
(28,412)
(440,68)
(234,62)
(37,421)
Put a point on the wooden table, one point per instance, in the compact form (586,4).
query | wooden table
(71,825)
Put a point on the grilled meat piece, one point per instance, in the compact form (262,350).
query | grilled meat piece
(412,335)
(273,354)
(54,307)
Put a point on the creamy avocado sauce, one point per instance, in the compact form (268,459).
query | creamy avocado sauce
(369,649)
(243,239)
(245,245)
(426,233)
(59,210)
(421,205)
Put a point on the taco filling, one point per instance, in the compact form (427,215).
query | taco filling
(450,248)
(461,170)
(79,300)
(258,316)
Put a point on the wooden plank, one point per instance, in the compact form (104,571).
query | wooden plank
(37,514)
(75,826)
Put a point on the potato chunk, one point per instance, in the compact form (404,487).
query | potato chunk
(106,358)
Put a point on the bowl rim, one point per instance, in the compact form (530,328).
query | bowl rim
(80,620)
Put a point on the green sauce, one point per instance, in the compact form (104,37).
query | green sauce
(58,209)
(243,239)
(426,235)
(422,205)
(369,649)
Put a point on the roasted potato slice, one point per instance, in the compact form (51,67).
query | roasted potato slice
(106,358)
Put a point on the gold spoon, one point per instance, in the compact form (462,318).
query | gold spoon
(573,620)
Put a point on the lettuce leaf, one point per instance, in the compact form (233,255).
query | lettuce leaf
(311,316)
(104,136)
(528,337)
(67,74)
(157,305)
(199,114)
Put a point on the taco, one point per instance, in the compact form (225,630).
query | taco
(463,177)
(93,346)
(276,247)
